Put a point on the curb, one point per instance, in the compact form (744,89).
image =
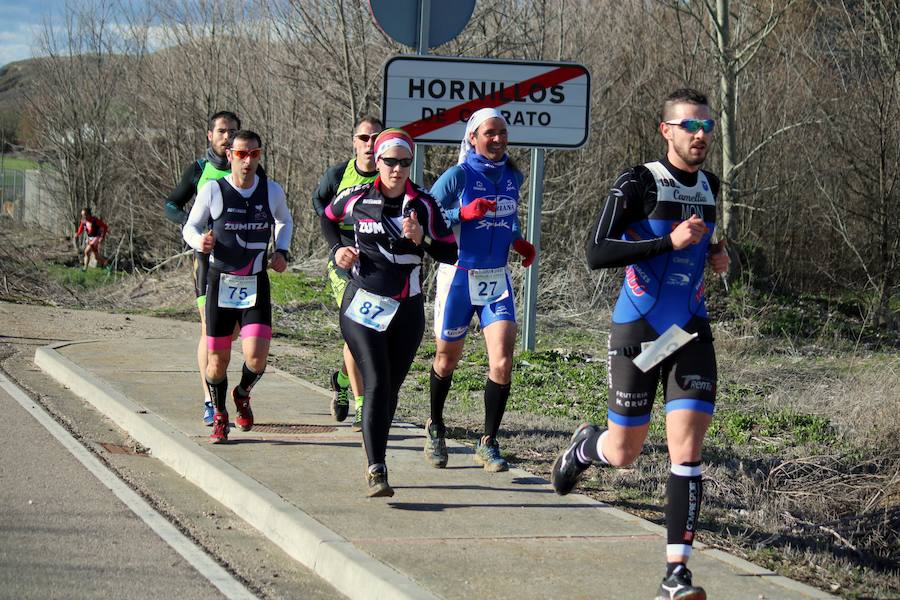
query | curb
(332,557)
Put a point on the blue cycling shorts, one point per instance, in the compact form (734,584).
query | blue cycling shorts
(453,308)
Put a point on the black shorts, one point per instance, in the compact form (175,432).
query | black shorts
(688,376)
(255,321)
(201,268)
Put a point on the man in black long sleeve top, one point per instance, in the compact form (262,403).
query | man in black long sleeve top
(657,222)
(214,165)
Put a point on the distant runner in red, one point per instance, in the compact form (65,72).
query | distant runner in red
(95,229)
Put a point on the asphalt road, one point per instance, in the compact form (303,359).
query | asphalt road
(64,534)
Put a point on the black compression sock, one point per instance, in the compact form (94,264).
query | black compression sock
(217,393)
(439,388)
(590,449)
(495,397)
(248,380)
(684,493)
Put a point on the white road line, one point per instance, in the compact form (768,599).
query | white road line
(206,566)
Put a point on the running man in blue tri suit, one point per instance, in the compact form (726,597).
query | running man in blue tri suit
(657,222)
(480,197)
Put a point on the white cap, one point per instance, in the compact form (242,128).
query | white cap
(478,117)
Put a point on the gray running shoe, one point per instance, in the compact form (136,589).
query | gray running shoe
(378,482)
(567,469)
(340,399)
(487,453)
(435,446)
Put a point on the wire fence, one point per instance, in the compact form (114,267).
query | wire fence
(24,197)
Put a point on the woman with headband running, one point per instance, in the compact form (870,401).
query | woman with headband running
(382,314)
(480,196)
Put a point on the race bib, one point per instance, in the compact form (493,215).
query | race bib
(487,286)
(662,347)
(237,291)
(374,311)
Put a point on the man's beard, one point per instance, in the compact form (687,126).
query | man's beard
(691,159)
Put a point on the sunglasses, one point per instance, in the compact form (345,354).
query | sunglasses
(242,154)
(694,125)
(393,162)
(365,138)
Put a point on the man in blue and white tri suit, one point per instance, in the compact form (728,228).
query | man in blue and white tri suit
(657,222)
(480,198)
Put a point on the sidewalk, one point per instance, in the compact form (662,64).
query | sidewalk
(454,533)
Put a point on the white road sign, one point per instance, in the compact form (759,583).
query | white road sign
(546,105)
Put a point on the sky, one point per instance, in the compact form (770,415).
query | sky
(19,20)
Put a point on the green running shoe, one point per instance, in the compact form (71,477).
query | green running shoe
(487,453)
(357,420)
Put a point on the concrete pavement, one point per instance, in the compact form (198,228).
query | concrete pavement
(298,477)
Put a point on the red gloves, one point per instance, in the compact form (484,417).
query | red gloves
(476,209)
(526,249)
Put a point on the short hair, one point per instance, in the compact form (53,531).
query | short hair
(682,96)
(246,134)
(371,120)
(222,114)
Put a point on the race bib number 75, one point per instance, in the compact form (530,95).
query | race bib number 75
(237,291)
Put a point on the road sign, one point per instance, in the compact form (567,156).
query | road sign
(400,19)
(546,104)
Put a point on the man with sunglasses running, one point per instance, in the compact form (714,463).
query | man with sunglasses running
(657,221)
(359,169)
(232,220)
(214,165)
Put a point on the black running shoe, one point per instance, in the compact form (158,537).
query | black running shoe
(567,470)
(678,586)
(340,399)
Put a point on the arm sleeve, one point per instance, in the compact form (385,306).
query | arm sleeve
(182,194)
(284,222)
(327,189)
(517,228)
(332,232)
(198,219)
(447,190)
(440,242)
(80,228)
(333,214)
(623,205)
(103,227)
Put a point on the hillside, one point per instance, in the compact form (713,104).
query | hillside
(15,79)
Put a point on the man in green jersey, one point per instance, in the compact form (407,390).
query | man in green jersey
(359,169)
(221,127)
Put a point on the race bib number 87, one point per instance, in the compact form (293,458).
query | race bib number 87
(374,311)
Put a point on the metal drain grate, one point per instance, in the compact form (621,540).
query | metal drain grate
(292,428)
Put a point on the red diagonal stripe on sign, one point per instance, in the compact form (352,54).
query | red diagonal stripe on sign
(512,93)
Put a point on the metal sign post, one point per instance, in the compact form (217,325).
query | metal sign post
(421,24)
(533,235)
(422,49)
(545,105)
